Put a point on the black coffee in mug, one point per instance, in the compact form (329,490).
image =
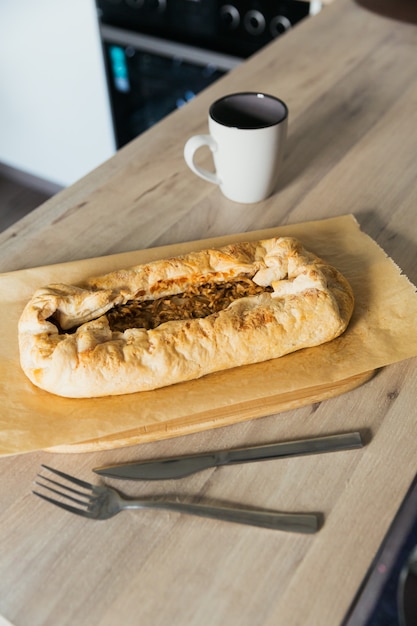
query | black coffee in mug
(248,111)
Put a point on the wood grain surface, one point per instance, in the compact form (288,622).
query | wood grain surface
(349,77)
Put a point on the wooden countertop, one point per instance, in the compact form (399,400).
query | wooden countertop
(349,77)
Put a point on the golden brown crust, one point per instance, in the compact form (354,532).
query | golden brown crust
(311,303)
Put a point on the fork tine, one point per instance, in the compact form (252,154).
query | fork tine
(64,495)
(71,479)
(63,489)
(62,505)
(61,485)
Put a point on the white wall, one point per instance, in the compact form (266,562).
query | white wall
(55,120)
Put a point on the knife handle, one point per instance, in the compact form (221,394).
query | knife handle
(290,522)
(315,445)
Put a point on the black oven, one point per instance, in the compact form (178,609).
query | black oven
(159,53)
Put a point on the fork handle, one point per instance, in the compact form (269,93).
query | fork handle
(291,522)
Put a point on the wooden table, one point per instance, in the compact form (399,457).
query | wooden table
(349,78)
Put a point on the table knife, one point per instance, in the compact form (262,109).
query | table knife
(178,467)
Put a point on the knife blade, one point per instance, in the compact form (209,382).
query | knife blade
(181,466)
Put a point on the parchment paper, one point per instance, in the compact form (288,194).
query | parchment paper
(382,331)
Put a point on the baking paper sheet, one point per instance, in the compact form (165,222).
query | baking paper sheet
(382,331)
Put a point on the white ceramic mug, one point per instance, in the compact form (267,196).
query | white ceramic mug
(247,137)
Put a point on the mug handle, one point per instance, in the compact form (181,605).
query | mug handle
(190,148)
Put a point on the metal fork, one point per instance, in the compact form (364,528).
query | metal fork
(102,502)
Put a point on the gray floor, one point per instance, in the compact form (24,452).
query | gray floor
(16,200)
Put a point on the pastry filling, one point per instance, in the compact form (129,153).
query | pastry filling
(196,302)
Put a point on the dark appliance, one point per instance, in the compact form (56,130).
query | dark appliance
(159,53)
